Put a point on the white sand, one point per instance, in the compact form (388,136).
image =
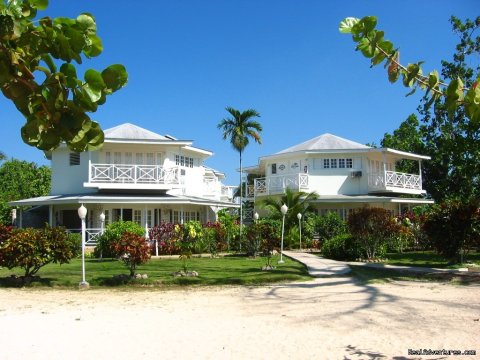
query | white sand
(323,319)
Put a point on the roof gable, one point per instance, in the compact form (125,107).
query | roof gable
(325,142)
(129,131)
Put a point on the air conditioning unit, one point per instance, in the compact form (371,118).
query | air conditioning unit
(356,174)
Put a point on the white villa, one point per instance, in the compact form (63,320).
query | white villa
(345,174)
(138,176)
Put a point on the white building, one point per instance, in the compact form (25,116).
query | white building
(345,174)
(138,176)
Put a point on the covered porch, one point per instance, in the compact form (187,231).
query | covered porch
(147,211)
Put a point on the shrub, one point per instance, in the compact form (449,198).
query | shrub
(5,233)
(270,234)
(372,228)
(167,239)
(231,228)
(453,228)
(133,250)
(329,226)
(31,249)
(112,235)
(341,247)
(219,233)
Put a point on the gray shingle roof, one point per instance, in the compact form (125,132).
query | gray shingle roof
(325,142)
(129,131)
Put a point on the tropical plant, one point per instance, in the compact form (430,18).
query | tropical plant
(341,247)
(133,250)
(372,228)
(19,180)
(329,226)
(37,74)
(298,202)
(112,235)
(453,228)
(239,129)
(31,249)
(165,239)
(188,234)
(231,228)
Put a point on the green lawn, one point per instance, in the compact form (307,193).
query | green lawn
(227,270)
(427,259)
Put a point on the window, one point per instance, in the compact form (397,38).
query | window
(274,169)
(128,158)
(108,159)
(149,218)
(184,161)
(74,158)
(337,163)
(117,157)
(137,216)
(176,217)
(150,159)
(139,158)
(191,216)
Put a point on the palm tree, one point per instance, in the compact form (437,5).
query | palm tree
(297,202)
(239,129)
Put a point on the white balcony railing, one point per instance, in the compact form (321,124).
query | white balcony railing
(133,174)
(278,184)
(393,179)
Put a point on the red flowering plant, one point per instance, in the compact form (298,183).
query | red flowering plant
(165,237)
(133,250)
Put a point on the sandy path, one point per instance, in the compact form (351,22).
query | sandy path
(323,319)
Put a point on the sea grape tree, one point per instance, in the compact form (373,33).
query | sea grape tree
(37,74)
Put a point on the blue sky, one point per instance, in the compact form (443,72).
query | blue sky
(187,60)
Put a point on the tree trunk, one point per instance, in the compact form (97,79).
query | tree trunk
(241,203)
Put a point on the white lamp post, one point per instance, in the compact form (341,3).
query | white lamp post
(284,210)
(299,217)
(14,216)
(82,213)
(102,222)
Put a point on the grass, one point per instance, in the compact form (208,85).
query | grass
(427,259)
(229,270)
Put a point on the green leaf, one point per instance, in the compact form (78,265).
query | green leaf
(48,60)
(93,94)
(94,46)
(39,4)
(433,79)
(70,73)
(115,77)
(87,22)
(346,25)
(94,80)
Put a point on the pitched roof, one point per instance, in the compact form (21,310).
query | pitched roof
(325,142)
(129,131)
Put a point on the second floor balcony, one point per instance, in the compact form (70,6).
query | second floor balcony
(396,182)
(129,176)
(273,185)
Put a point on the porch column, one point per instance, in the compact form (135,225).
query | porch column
(89,166)
(420,173)
(384,161)
(50,215)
